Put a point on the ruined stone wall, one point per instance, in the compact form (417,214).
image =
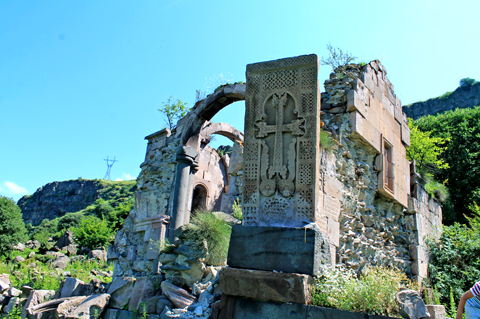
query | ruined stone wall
(136,247)
(366,223)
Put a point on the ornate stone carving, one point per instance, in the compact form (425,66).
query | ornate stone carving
(281,137)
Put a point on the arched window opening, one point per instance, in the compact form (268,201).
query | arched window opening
(199,199)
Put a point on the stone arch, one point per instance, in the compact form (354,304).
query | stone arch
(206,109)
(223,129)
(187,153)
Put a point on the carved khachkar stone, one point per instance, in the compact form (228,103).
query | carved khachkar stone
(281,161)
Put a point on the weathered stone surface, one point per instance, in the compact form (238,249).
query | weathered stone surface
(294,250)
(142,290)
(14,292)
(178,296)
(10,305)
(236,161)
(249,308)
(162,303)
(120,291)
(19,246)
(70,287)
(65,240)
(33,244)
(19,259)
(411,304)
(436,311)
(36,297)
(90,307)
(4,282)
(57,198)
(281,134)
(49,308)
(462,97)
(265,285)
(98,254)
(61,260)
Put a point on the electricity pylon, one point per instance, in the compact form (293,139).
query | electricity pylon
(109,166)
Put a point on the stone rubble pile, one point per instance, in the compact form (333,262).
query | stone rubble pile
(185,288)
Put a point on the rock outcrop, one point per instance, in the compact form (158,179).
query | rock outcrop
(463,97)
(58,198)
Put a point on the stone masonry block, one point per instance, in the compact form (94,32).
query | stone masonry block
(266,285)
(294,250)
(355,103)
(405,134)
(333,187)
(333,232)
(331,207)
(398,115)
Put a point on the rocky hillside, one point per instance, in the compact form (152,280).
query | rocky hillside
(58,198)
(463,97)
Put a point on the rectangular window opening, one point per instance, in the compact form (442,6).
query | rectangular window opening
(388,165)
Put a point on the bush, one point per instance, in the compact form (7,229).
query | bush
(455,259)
(237,210)
(467,82)
(215,231)
(372,291)
(69,220)
(46,229)
(12,227)
(460,131)
(92,232)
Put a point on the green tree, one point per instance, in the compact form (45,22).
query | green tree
(425,149)
(92,232)
(461,128)
(12,226)
(467,82)
(337,57)
(173,110)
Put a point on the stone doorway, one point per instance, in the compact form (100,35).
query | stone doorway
(199,198)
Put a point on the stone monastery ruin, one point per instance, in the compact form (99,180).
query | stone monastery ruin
(357,203)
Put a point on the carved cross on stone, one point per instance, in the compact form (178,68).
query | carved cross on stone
(296,128)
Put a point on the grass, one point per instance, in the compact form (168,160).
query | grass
(372,291)
(205,225)
(37,273)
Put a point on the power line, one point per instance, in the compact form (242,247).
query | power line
(109,167)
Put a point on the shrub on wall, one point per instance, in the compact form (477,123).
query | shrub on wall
(205,225)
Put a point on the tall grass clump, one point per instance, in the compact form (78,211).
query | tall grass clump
(215,231)
(372,291)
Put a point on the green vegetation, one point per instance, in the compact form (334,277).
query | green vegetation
(12,227)
(467,82)
(205,225)
(426,151)
(455,261)
(93,232)
(337,57)
(117,199)
(372,291)
(460,132)
(237,210)
(173,110)
(326,141)
(43,276)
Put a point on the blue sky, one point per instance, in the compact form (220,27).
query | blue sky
(82,80)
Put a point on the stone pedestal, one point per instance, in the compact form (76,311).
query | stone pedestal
(266,285)
(293,250)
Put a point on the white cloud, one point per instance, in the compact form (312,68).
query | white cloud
(13,188)
(125,177)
